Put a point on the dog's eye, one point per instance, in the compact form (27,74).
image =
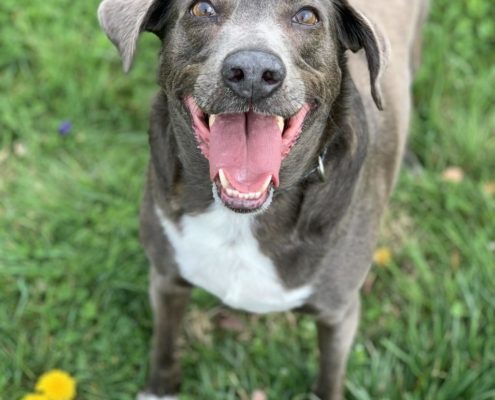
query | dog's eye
(203,9)
(306,16)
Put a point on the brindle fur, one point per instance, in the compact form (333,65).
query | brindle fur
(316,232)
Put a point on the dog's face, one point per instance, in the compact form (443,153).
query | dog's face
(253,82)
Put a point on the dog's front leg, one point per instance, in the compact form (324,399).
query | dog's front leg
(335,341)
(169,302)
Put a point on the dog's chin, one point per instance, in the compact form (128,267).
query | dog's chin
(242,205)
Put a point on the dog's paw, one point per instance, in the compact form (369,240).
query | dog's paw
(149,396)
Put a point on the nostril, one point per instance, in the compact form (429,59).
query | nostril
(236,75)
(270,77)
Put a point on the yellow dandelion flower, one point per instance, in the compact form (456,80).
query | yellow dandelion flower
(33,396)
(382,256)
(57,385)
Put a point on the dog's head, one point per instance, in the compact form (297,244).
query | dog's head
(255,80)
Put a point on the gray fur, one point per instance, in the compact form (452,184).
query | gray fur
(322,233)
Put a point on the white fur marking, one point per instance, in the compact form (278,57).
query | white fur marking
(217,251)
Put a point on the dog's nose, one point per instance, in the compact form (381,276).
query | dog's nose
(253,74)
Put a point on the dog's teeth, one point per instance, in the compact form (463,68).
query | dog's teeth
(280,123)
(212,119)
(266,184)
(231,192)
(223,179)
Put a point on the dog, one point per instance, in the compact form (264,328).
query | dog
(276,139)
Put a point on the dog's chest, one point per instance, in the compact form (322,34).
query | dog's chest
(218,252)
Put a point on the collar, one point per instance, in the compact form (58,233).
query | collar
(319,169)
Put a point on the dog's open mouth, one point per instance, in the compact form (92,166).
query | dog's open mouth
(245,152)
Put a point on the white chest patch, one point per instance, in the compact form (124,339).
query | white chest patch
(218,252)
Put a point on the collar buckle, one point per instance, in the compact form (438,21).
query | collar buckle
(321,169)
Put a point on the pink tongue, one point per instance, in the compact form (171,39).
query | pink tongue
(248,147)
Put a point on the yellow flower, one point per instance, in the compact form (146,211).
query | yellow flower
(382,256)
(33,396)
(56,385)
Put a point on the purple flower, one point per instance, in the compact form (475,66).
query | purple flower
(65,128)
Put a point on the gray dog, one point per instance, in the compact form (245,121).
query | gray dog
(273,153)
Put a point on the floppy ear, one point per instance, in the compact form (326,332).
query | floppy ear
(124,20)
(356,32)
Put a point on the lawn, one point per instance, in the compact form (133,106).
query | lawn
(73,278)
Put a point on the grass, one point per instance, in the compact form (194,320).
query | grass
(73,277)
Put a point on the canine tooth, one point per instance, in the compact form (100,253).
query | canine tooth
(212,119)
(230,192)
(280,123)
(266,184)
(223,179)
(257,195)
